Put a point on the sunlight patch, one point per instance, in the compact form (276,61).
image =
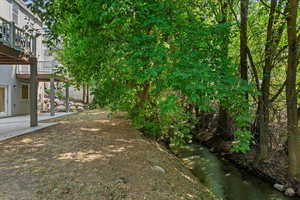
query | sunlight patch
(102,120)
(118,150)
(123,140)
(31,160)
(90,129)
(97,113)
(80,156)
(64,122)
(27,140)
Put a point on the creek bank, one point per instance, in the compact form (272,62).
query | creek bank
(273,170)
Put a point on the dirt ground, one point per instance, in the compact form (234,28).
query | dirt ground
(90,156)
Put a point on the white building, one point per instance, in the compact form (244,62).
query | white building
(14,90)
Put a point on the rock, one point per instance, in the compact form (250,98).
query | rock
(159,169)
(61,108)
(47,107)
(205,136)
(298,191)
(71,102)
(290,192)
(79,104)
(245,182)
(46,100)
(80,109)
(72,108)
(59,102)
(279,187)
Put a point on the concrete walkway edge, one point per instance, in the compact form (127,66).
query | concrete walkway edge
(25,131)
(15,126)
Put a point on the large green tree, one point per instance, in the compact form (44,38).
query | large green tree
(161,61)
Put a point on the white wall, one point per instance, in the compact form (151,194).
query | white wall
(5,9)
(17,105)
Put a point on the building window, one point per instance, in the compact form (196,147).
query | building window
(25,92)
(15,13)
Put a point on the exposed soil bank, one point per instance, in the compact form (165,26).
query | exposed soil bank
(89,156)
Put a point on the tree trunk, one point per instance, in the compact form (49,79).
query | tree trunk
(224,128)
(291,93)
(87,94)
(83,93)
(264,117)
(243,40)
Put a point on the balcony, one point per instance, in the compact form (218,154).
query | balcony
(45,71)
(43,67)
(15,37)
(16,46)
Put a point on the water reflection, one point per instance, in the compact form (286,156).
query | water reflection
(224,179)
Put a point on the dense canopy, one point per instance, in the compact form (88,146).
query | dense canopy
(183,67)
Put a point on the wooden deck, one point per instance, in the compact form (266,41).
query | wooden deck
(16,46)
(10,56)
(41,77)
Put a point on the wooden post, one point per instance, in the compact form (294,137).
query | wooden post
(67,98)
(33,94)
(12,35)
(52,96)
(34,46)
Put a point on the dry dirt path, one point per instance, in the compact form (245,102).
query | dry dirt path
(89,156)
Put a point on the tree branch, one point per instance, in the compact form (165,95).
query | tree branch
(253,67)
(266,5)
(278,92)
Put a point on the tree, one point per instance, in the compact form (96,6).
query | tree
(157,60)
(225,125)
(291,93)
(274,33)
(243,40)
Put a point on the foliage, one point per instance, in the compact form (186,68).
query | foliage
(153,59)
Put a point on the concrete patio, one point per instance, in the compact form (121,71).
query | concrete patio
(20,125)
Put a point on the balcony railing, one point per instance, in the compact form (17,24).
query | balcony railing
(43,67)
(16,38)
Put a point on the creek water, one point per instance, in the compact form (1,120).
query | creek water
(224,179)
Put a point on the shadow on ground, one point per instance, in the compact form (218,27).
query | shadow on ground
(89,156)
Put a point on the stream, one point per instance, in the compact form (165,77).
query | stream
(224,179)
